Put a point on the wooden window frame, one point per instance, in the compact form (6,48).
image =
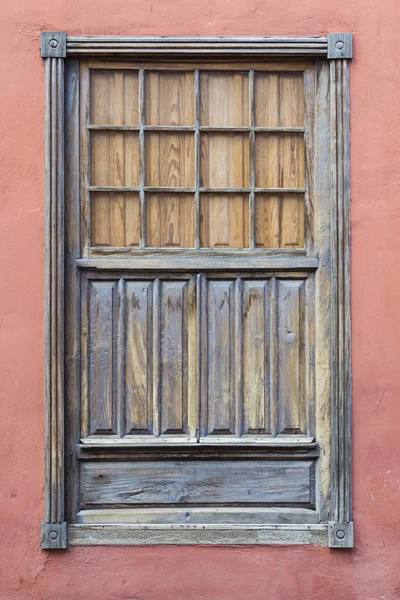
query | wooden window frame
(335,50)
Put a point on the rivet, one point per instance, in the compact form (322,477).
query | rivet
(340,534)
(290,337)
(53,43)
(53,535)
(339,45)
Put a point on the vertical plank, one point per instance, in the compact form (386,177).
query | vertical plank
(225,160)
(292,221)
(139,350)
(114,158)
(169,98)
(256,404)
(102,417)
(224,220)
(156,358)
(266,99)
(113,97)
(170,159)
(280,160)
(268,221)
(170,220)
(174,357)
(273,357)
(291,355)
(220,408)
(142,159)
(291,100)
(224,99)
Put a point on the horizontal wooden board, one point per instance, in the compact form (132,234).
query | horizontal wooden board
(197,482)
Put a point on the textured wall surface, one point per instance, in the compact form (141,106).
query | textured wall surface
(372,570)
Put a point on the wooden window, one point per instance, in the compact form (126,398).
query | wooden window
(202,243)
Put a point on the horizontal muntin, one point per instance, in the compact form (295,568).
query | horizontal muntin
(192,190)
(190,128)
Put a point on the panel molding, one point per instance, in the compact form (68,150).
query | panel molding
(55,47)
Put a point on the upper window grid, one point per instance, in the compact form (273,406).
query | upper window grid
(214,159)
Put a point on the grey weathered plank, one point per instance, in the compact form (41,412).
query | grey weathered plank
(183,482)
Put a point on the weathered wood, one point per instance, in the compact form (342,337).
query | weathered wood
(198,516)
(341,307)
(340,46)
(316,534)
(212,482)
(250,270)
(54,303)
(53,44)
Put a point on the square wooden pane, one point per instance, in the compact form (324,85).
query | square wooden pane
(225,160)
(280,160)
(115,219)
(169,98)
(170,159)
(224,99)
(114,158)
(279,221)
(279,99)
(114,97)
(224,220)
(170,220)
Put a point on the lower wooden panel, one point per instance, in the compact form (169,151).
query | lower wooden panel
(172,482)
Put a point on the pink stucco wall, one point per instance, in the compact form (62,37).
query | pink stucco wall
(372,570)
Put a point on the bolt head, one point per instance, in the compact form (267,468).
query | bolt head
(339,45)
(340,534)
(53,43)
(53,535)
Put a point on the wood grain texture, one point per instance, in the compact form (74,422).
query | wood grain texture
(170,220)
(114,97)
(279,220)
(115,219)
(139,352)
(279,100)
(225,160)
(170,159)
(279,160)
(102,357)
(169,98)
(182,482)
(291,374)
(256,384)
(224,220)
(114,158)
(224,99)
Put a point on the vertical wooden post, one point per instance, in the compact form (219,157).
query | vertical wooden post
(340,528)
(54,529)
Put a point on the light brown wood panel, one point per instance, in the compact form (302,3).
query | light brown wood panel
(170,159)
(224,99)
(102,357)
(170,220)
(279,99)
(114,97)
(114,158)
(291,372)
(224,220)
(139,353)
(218,410)
(174,357)
(115,219)
(256,392)
(279,220)
(169,98)
(225,160)
(226,482)
(280,160)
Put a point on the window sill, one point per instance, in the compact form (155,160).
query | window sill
(282,534)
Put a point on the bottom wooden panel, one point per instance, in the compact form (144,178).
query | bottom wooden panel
(195,482)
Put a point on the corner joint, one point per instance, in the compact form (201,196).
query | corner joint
(54,536)
(340,45)
(53,44)
(340,535)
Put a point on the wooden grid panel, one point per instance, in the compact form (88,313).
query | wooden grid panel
(211,159)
